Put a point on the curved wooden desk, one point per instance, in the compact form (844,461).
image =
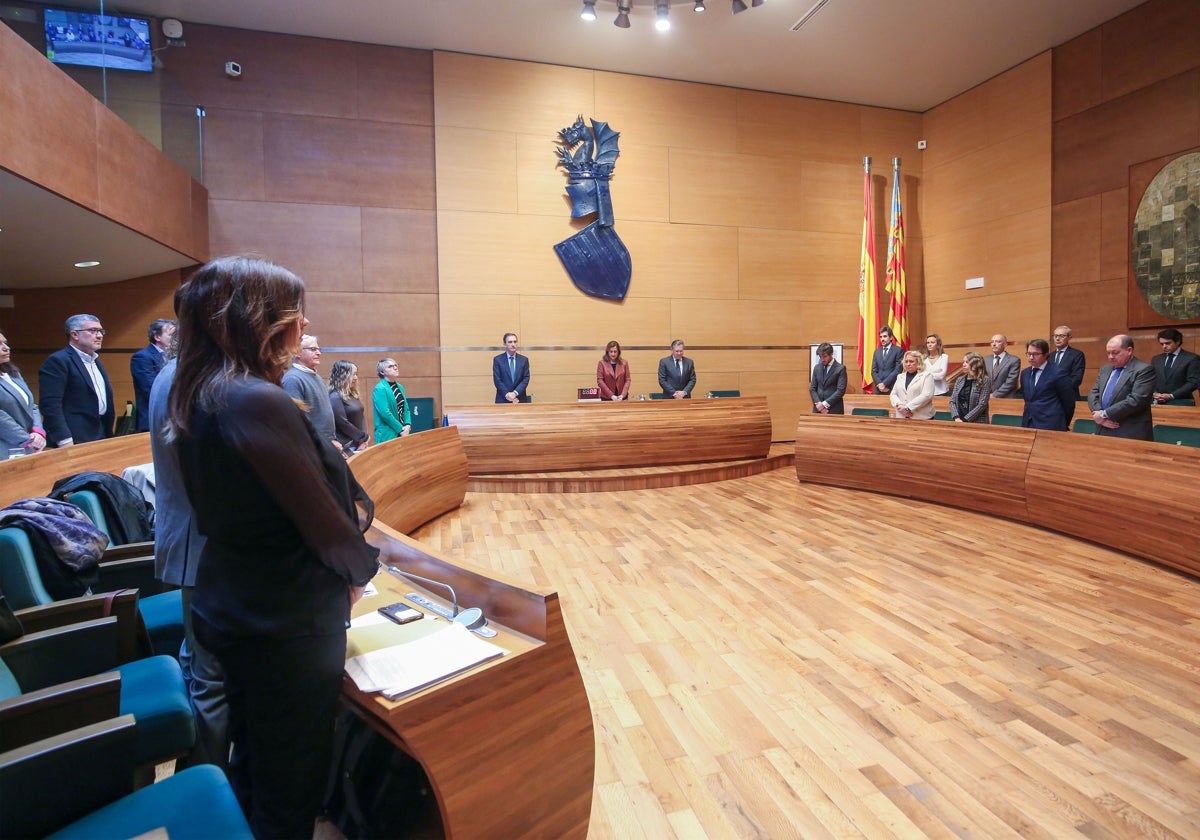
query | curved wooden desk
(550,437)
(1132,496)
(508,747)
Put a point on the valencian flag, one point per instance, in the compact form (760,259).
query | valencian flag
(868,289)
(896,284)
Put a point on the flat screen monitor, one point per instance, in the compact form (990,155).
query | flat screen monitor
(86,39)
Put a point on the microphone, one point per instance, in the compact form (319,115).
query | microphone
(411,576)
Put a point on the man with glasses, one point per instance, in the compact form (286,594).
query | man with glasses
(1072,361)
(1176,371)
(74,393)
(1049,395)
(304,383)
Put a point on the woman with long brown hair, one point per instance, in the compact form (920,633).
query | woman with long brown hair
(284,558)
(612,374)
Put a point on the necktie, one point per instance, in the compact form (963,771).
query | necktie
(1036,373)
(512,369)
(1110,387)
(679,367)
(1167,364)
(996,367)
(1058,357)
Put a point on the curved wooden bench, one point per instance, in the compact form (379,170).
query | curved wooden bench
(414,479)
(1131,496)
(552,437)
(1187,416)
(34,475)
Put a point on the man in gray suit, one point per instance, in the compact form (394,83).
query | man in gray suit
(1124,391)
(177,549)
(827,382)
(1003,368)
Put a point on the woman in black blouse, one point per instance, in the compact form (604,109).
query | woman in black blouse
(349,416)
(285,557)
(972,390)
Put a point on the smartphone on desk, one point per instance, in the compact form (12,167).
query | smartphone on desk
(401,613)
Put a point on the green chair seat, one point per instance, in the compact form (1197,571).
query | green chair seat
(1006,420)
(1084,426)
(870,412)
(1181,435)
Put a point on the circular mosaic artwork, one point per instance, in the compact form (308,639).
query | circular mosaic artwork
(1166,240)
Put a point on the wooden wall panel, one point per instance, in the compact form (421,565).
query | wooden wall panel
(661,112)
(726,189)
(399,250)
(234,165)
(540,186)
(1152,42)
(372,320)
(677,261)
(774,125)
(476,170)
(1077,84)
(574,321)
(1076,256)
(795,265)
(640,184)
(471,319)
(513,96)
(1016,315)
(394,85)
(831,198)
(479,253)
(1116,233)
(741,322)
(326,160)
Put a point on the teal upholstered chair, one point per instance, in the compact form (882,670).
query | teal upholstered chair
(658,396)
(98,802)
(734,393)
(942,415)
(1006,419)
(422,414)
(1177,435)
(1084,426)
(870,412)
(71,673)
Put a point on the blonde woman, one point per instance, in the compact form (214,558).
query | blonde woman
(912,395)
(972,390)
(937,362)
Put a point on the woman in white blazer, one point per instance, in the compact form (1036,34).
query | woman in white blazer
(937,362)
(912,395)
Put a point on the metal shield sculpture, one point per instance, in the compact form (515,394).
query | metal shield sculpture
(595,258)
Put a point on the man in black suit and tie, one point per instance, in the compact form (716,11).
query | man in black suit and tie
(1049,395)
(73,389)
(676,373)
(885,364)
(827,383)
(1003,368)
(510,372)
(1176,371)
(1124,391)
(1072,361)
(144,366)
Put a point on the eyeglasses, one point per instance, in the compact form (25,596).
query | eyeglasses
(313,349)
(1062,335)
(1037,353)
(94,330)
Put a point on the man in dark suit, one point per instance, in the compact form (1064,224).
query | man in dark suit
(73,388)
(510,372)
(1176,371)
(1124,391)
(1003,368)
(827,382)
(885,364)
(677,373)
(145,364)
(1049,394)
(1072,361)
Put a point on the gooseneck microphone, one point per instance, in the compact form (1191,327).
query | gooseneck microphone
(446,586)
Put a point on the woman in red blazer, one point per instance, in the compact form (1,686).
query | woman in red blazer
(612,374)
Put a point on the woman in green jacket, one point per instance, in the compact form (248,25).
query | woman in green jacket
(393,418)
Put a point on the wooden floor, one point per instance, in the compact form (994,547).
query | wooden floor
(770,660)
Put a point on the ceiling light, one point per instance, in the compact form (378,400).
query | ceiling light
(699,6)
(87,264)
(757,3)
(739,6)
(661,12)
(622,20)
(588,12)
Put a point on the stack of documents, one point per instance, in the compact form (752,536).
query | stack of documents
(402,669)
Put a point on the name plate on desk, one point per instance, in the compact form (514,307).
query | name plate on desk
(589,395)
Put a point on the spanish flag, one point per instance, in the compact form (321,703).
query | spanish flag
(868,289)
(896,283)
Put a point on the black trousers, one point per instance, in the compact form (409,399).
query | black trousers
(283,696)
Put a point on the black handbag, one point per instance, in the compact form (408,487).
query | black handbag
(10,625)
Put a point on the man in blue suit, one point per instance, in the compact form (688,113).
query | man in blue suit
(1048,389)
(145,364)
(73,388)
(677,373)
(1068,358)
(510,372)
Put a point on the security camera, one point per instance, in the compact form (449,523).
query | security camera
(233,69)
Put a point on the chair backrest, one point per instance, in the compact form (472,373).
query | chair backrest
(942,415)
(1177,435)
(8,683)
(658,396)
(733,393)
(1084,426)
(1006,420)
(870,412)
(20,580)
(89,503)
(423,416)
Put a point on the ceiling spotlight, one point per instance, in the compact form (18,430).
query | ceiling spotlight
(757,3)
(87,264)
(739,6)
(622,20)
(699,6)
(588,12)
(661,11)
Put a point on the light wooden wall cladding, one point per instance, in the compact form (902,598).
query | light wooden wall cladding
(985,207)
(321,158)
(742,212)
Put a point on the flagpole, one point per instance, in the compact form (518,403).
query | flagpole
(897,283)
(868,290)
